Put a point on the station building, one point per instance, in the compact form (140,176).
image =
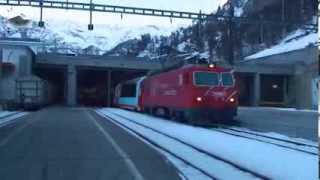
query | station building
(287,79)
(73,79)
(15,63)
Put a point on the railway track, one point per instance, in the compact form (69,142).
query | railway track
(235,166)
(284,143)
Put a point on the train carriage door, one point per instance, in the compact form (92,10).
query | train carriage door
(140,92)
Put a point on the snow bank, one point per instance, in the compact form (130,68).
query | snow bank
(272,161)
(6,113)
(280,109)
(6,116)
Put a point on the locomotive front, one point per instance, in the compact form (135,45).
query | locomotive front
(214,94)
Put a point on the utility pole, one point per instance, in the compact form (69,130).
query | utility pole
(90,26)
(302,12)
(283,17)
(199,31)
(41,22)
(1,66)
(230,32)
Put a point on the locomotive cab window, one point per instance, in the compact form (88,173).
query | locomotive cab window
(206,79)
(128,90)
(227,79)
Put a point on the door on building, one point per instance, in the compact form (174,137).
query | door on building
(244,82)
(273,90)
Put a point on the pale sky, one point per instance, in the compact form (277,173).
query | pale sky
(206,6)
(182,5)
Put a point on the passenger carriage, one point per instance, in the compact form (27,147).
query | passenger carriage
(127,94)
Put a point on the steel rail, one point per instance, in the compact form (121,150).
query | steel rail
(264,141)
(273,138)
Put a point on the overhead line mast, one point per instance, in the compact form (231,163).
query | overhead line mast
(139,11)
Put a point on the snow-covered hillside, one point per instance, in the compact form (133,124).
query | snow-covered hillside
(294,41)
(70,34)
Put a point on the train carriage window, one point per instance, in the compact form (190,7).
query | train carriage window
(227,79)
(206,79)
(128,90)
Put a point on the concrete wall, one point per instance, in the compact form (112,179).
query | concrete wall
(21,58)
(301,89)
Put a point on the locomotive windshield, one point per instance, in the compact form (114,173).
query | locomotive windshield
(227,79)
(206,79)
(213,79)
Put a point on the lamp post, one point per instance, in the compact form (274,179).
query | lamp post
(230,32)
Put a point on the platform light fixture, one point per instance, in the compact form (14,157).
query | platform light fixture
(41,23)
(90,27)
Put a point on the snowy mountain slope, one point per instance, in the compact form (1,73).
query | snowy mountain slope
(71,34)
(67,28)
(238,9)
(294,41)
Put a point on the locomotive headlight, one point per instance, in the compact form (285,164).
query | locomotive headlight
(211,65)
(199,99)
(232,100)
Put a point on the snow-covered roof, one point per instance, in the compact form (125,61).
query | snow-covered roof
(294,41)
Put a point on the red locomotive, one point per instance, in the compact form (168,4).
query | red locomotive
(194,93)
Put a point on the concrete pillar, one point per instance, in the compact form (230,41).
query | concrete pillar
(109,98)
(285,91)
(1,56)
(72,85)
(256,89)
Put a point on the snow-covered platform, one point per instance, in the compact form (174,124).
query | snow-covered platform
(203,152)
(287,121)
